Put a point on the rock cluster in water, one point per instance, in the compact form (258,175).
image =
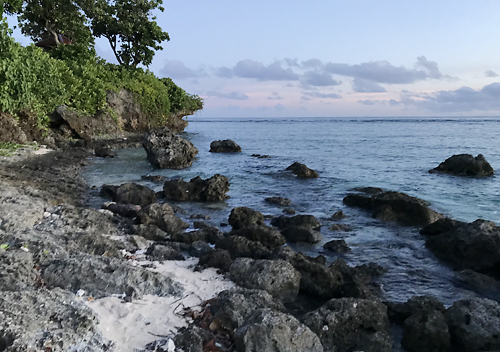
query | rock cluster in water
(225,146)
(465,165)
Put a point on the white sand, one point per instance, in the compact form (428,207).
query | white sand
(133,325)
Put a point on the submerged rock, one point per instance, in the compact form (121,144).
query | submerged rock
(337,246)
(279,201)
(225,146)
(302,171)
(210,190)
(465,165)
(166,150)
(129,193)
(104,152)
(395,206)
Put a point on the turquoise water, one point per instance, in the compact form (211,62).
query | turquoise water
(391,153)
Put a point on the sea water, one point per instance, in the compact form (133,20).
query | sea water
(391,153)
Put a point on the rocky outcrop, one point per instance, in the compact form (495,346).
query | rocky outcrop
(299,228)
(302,171)
(10,131)
(242,217)
(104,152)
(349,324)
(473,246)
(270,331)
(395,206)
(338,246)
(277,277)
(279,201)
(125,210)
(166,150)
(162,215)
(239,246)
(474,325)
(129,193)
(268,236)
(225,146)
(212,189)
(465,165)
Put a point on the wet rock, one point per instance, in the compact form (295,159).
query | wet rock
(474,324)
(162,215)
(279,201)
(232,308)
(368,190)
(239,246)
(198,248)
(299,228)
(218,258)
(192,339)
(399,312)
(338,246)
(484,285)
(268,236)
(278,277)
(337,215)
(209,190)
(265,156)
(151,232)
(350,324)
(426,332)
(104,152)
(242,217)
(302,171)
(153,178)
(289,211)
(166,150)
(465,165)
(129,193)
(200,216)
(395,206)
(270,331)
(125,210)
(48,320)
(162,252)
(473,246)
(301,234)
(341,227)
(225,146)
(101,276)
(440,226)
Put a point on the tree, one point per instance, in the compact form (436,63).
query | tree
(130,28)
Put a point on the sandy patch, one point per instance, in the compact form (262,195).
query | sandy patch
(133,325)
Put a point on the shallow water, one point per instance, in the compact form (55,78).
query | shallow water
(392,153)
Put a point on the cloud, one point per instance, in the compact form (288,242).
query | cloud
(318,79)
(274,96)
(257,70)
(490,73)
(322,95)
(360,85)
(459,100)
(177,69)
(224,72)
(232,95)
(384,72)
(312,63)
(367,102)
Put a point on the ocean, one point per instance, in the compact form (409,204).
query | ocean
(390,153)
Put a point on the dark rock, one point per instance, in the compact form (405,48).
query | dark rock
(232,308)
(162,215)
(188,237)
(395,206)
(129,193)
(368,190)
(279,201)
(266,235)
(165,150)
(209,190)
(440,226)
(426,332)
(337,215)
(349,324)
(153,178)
(218,258)
(104,152)
(304,221)
(242,217)
(465,165)
(101,276)
(192,339)
(301,234)
(337,246)
(399,312)
(289,211)
(151,232)
(278,277)
(239,246)
(484,285)
(198,248)
(474,324)
(473,246)
(302,171)
(225,146)
(161,252)
(269,331)
(125,210)
(200,216)
(341,227)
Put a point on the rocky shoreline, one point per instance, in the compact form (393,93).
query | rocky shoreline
(68,268)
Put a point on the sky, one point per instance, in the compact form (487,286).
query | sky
(337,58)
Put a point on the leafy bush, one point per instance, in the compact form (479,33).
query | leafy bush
(73,75)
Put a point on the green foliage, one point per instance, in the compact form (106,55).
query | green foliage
(130,29)
(6,149)
(180,100)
